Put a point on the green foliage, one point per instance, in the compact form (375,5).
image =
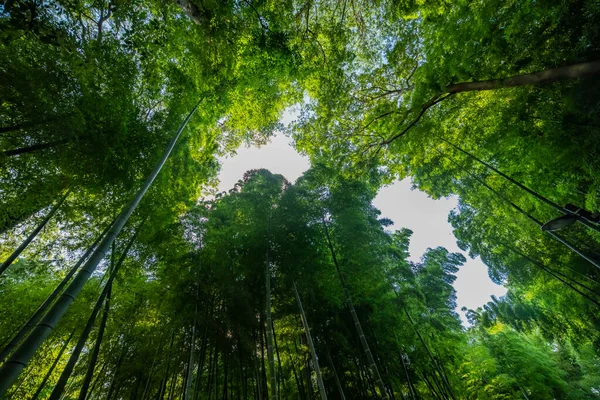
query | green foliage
(91,93)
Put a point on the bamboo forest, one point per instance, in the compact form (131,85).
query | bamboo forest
(127,274)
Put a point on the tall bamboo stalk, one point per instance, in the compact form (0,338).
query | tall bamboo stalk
(51,370)
(363,340)
(556,236)
(311,345)
(14,365)
(94,357)
(523,187)
(60,385)
(39,312)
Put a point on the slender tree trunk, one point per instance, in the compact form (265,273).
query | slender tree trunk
(11,369)
(39,312)
(299,385)
(552,273)
(270,352)
(190,374)
(94,357)
(408,380)
(97,378)
(309,386)
(257,379)
(113,386)
(311,345)
(49,373)
(163,384)
(200,372)
(32,235)
(555,236)
(36,147)
(146,387)
(361,335)
(60,386)
(523,187)
(431,357)
(263,373)
(282,384)
(335,375)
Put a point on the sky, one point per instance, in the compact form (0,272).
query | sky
(413,209)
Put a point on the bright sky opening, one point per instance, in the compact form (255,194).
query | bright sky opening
(413,209)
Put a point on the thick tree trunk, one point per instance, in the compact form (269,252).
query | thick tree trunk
(363,340)
(198,16)
(311,345)
(573,71)
(94,357)
(32,235)
(38,314)
(11,369)
(56,360)
(66,374)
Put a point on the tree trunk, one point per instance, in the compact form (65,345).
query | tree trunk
(35,147)
(113,386)
(311,345)
(56,360)
(198,16)
(335,375)
(437,368)
(59,388)
(552,273)
(12,368)
(299,385)
(37,315)
(269,326)
(147,386)
(525,188)
(282,377)
(32,235)
(190,374)
(557,237)
(66,374)
(573,71)
(361,335)
(97,378)
(94,357)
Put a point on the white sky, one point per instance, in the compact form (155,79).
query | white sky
(413,209)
